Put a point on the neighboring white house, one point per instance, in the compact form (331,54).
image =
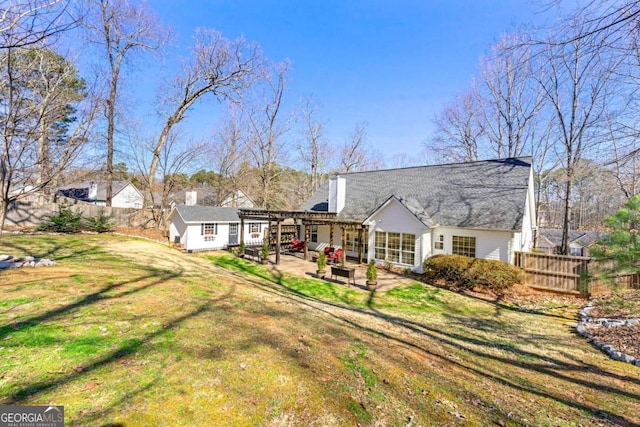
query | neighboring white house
(237,199)
(212,197)
(198,228)
(483,209)
(124,193)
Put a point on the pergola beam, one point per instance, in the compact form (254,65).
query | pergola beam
(282,215)
(307,218)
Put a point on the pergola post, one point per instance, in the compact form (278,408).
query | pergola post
(343,255)
(360,245)
(331,235)
(241,230)
(278,238)
(307,236)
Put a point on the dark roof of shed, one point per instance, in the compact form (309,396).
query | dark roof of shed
(488,194)
(207,213)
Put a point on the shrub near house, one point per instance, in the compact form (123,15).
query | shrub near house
(469,273)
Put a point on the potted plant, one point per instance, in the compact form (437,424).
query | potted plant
(264,254)
(372,276)
(241,249)
(322,265)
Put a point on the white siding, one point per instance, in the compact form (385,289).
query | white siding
(237,200)
(395,218)
(196,241)
(249,238)
(524,241)
(128,197)
(497,245)
(324,232)
(191,234)
(426,246)
(177,228)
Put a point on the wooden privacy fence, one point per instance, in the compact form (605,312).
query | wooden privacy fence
(570,274)
(31,212)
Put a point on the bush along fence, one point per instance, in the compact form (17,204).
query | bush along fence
(29,213)
(569,274)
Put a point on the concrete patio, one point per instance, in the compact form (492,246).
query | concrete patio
(295,264)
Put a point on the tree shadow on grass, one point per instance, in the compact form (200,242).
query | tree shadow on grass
(59,251)
(552,368)
(94,416)
(484,350)
(31,390)
(99,295)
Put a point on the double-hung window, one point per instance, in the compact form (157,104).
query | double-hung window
(313,231)
(463,245)
(209,231)
(439,243)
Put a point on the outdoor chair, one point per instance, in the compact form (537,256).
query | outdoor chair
(333,257)
(297,246)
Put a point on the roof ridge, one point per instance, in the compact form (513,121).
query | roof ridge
(437,165)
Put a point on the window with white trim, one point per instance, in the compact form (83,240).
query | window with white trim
(381,245)
(313,232)
(439,244)
(254,227)
(209,231)
(399,248)
(408,248)
(463,245)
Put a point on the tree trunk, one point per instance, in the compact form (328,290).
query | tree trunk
(565,249)
(110,131)
(4,207)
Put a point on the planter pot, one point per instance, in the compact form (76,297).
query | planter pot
(320,273)
(372,285)
(264,261)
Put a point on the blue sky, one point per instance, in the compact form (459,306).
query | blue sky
(393,64)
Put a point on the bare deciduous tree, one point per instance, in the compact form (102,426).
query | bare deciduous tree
(458,129)
(265,140)
(314,150)
(353,155)
(576,83)
(26,23)
(121,29)
(510,100)
(219,67)
(229,151)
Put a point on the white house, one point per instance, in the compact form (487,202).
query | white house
(124,193)
(237,199)
(199,228)
(483,209)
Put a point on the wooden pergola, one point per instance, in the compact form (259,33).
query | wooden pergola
(307,218)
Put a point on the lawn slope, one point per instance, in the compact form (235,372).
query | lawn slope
(125,331)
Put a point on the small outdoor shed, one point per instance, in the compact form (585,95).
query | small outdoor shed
(201,228)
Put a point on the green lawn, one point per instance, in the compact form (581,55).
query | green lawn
(128,332)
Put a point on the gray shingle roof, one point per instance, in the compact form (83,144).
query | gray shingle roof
(488,194)
(580,238)
(207,214)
